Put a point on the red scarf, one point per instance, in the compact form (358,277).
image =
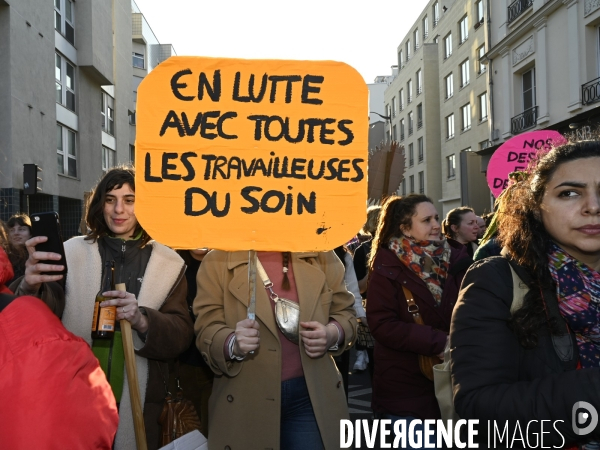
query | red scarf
(428,259)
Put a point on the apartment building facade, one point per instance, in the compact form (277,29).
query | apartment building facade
(545,58)
(66,103)
(412,104)
(464,104)
(434,104)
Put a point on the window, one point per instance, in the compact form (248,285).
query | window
(436,13)
(403,186)
(419,81)
(408,50)
(420,149)
(132,153)
(401,96)
(421,182)
(484,144)
(108,158)
(451,163)
(411,155)
(419,115)
(449,86)
(463,29)
(465,112)
(64,21)
(65,150)
(448,46)
(479,11)
(393,106)
(529,89)
(108,114)
(409,89)
(411,180)
(131,115)
(65,82)
(416,38)
(401,129)
(481,67)
(411,123)
(138,60)
(394,133)
(483,109)
(450,126)
(400,59)
(425,28)
(464,73)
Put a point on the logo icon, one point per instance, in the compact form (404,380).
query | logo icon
(584,418)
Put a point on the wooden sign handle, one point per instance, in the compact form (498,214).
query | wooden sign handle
(132,380)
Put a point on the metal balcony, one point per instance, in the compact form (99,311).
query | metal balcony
(524,121)
(590,92)
(518,7)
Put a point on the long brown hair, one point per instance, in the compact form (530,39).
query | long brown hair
(115,178)
(523,234)
(395,212)
(454,217)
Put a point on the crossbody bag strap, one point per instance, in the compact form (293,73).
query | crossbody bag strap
(413,308)
(266,281)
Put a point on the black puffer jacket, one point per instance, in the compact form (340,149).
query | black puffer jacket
(495,378)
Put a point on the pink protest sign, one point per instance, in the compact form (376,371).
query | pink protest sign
(515,154)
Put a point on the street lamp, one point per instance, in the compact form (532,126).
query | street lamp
(387,118)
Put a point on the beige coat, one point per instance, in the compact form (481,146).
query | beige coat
(246,398)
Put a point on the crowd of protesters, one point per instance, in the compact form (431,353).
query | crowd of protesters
(419,284)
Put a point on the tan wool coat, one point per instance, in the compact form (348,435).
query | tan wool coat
(245,403)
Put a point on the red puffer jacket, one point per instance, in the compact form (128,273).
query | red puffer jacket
(54,394)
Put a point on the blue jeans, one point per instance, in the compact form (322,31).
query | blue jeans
(418,427)
(299,429)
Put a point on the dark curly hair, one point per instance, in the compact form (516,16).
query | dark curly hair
(523,234)
(395,212)
(115,178)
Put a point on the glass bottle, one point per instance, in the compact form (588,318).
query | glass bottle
(103,323)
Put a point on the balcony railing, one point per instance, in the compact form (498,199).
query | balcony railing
(517,8)
(419,124)
(590,92)
(410,130)
(524,121)
(401,137)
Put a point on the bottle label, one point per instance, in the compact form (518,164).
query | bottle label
(107,318)
(95,319)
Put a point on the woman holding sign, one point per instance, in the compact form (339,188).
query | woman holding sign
(154,303)
(414,283)
(525,331)
(274,388)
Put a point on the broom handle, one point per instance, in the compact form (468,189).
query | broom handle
(132,380)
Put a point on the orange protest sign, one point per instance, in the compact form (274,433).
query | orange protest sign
(241,154)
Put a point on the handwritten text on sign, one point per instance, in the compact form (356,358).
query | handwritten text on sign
(252,154)
(516,154)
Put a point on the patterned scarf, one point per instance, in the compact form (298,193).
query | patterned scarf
(428,259)
(578,290)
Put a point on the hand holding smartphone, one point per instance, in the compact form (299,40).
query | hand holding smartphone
(47,224)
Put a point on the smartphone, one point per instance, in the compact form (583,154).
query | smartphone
(47,224)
